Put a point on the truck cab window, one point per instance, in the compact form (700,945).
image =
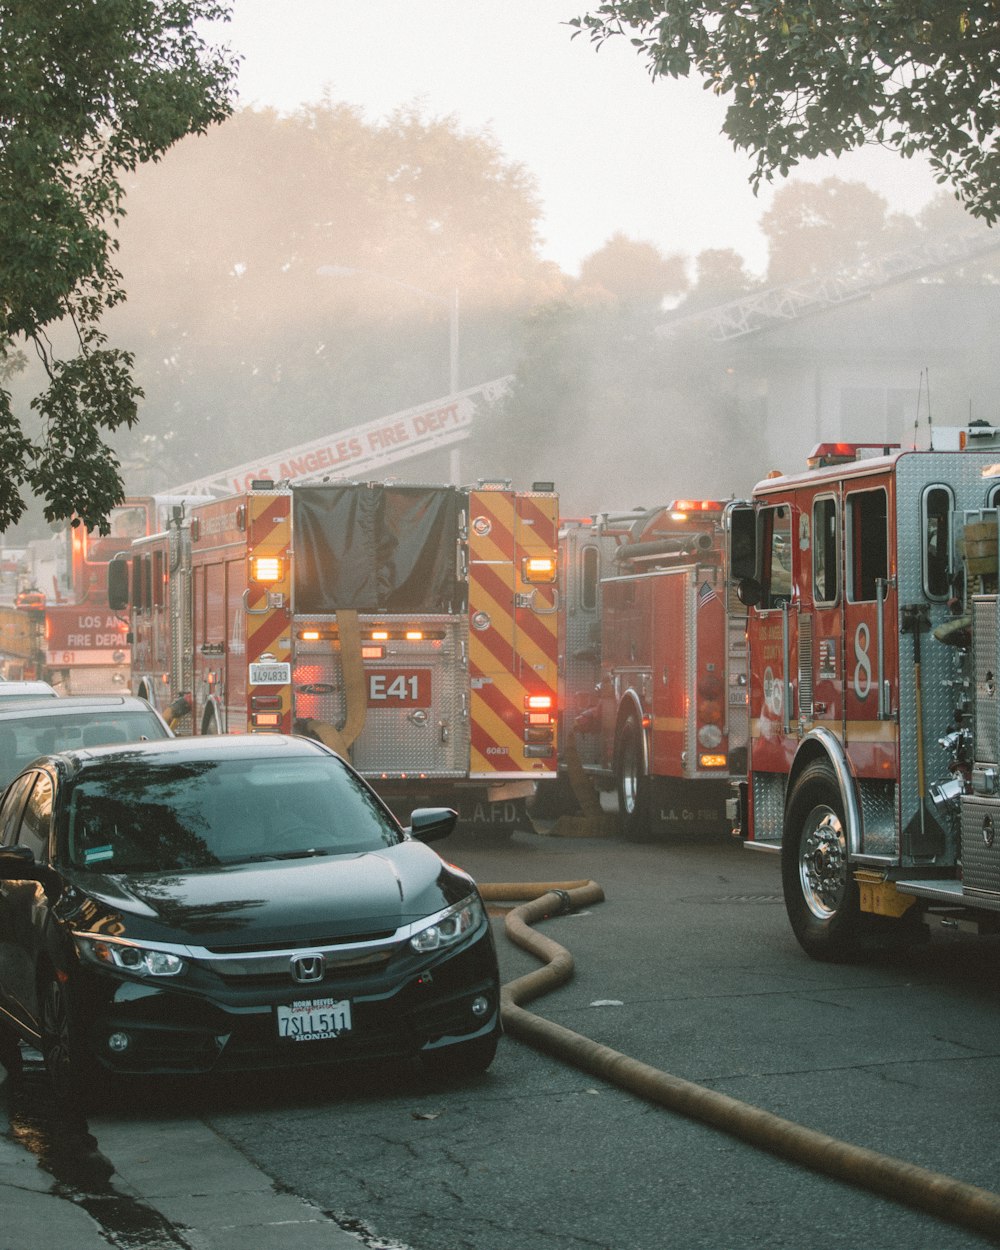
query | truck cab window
(590,571)
(825,551)
(867,544)
(776,549)
(938,504)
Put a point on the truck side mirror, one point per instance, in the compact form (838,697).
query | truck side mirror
(118,584)
(749,591)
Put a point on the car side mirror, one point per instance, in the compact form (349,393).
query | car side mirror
(18,863)
(428,824)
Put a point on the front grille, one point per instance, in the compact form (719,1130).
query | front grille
(274,969)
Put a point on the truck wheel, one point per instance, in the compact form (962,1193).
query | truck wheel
(821,895)
(552,799)
(634,817)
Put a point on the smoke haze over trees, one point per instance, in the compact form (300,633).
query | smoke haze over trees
(289,277)
(242,342)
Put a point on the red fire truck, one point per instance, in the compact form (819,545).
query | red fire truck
(83,645)
(653,667)
(413,628)
(872,628)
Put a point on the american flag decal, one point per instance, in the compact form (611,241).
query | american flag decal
(706,593)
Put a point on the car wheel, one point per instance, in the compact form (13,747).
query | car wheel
(633,786)
(61,1049)
(464,1058)
(821,895)
(10,1051)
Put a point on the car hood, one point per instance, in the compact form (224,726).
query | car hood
(296,902)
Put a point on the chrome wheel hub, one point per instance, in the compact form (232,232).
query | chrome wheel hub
(823,863)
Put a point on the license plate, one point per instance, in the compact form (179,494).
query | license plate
(314,1019)
(270,674)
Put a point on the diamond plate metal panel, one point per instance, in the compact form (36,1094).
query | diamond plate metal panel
(580,645)
(768,806)
(879,819)
(980,845)
(941,664)
(987,705)
(431,740)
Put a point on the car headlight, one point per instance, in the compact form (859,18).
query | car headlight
(141,961)
(450,927)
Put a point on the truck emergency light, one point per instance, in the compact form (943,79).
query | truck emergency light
(683,506)
(538,569)
(538,702)
(844,453)
(266,568)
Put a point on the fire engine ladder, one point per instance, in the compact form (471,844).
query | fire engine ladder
(779,305)
(374,454)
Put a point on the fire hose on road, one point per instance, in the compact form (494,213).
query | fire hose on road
(940,1195)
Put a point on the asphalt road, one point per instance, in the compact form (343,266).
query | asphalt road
(688,965)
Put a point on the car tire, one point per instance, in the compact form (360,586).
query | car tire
(632,784)
(464,1059)
(821,895)
(10,1052)
(71,1077)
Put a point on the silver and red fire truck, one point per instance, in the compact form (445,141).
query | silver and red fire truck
(873,634)
(76,642)
(413,628)
(652,666)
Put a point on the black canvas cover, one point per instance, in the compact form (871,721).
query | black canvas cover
(376,548)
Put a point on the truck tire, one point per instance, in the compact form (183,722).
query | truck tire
(632,784)
(821,895)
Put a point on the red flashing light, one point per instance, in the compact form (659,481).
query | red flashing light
(845,453)
(696,505)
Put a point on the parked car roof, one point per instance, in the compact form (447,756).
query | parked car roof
(33,727)
(27,689)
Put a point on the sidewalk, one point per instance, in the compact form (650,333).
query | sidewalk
(156,1184)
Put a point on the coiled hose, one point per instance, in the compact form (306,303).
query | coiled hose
(942,1196)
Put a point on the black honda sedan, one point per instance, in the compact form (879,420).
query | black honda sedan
(201,905)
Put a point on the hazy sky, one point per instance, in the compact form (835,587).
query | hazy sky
(609,149)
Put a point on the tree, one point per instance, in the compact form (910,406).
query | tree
(89,89)
(290,276)
(634,272)
(822,78)
(816,228)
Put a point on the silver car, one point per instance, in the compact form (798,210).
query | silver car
(32,726)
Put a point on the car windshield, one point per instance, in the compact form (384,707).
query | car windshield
(23,738)
(133,815)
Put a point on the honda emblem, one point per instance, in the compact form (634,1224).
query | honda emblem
(307,968)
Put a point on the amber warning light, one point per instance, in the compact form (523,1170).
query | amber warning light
(539,569)
(266,568)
